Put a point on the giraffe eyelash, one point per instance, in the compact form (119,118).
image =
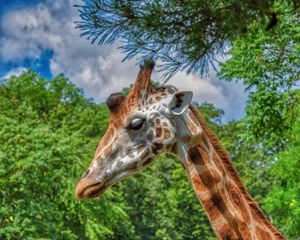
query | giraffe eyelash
(136,123)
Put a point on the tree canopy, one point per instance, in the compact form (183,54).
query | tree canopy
(179,34)
(268,64)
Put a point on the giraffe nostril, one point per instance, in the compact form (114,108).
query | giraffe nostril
(85,174)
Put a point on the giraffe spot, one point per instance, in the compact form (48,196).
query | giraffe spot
(158,132)
(157,121)
(150,135)
(194,155)
(167,133)
(219,202)
(227,233)
(172,124)
(85,174)
(165,124)
(150,101)
(262,234)
(208,179)
(157,147)
(211,209)
(161,89)
(158,98)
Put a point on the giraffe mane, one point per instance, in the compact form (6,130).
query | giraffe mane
(225,160)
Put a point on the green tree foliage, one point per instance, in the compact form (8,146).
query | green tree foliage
(284,198)
(182,34)
(268,64)
(47,131)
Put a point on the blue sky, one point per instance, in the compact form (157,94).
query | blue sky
(41,35)
(40,64)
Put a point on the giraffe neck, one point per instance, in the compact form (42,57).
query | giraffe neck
(231,211)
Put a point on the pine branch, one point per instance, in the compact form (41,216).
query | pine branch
(180,35)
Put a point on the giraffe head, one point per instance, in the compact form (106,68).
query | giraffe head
(141,126)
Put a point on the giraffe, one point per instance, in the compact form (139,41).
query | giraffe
(152,120)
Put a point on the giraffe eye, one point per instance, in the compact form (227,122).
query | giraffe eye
(136,123)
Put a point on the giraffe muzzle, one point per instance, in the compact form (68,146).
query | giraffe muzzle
(84,190)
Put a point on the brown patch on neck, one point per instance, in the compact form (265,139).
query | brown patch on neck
(195,156)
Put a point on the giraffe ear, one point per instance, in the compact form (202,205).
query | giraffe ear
(180,102)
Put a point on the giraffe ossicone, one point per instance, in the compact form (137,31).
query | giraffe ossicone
(151,120)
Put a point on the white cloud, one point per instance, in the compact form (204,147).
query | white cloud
(98,70)
(25,33)
(13,72)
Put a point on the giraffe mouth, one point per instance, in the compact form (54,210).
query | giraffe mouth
(91,191)
(84,191)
